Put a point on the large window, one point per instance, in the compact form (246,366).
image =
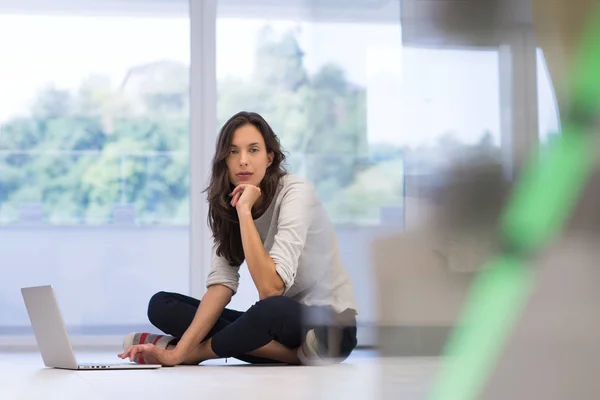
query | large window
(95,116)
(94,170)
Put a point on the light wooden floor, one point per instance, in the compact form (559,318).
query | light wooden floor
(363,376)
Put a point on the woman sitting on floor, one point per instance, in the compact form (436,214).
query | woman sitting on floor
(275,222)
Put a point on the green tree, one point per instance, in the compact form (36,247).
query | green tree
(320,118)
(101,126)
(52,103)
(280,61)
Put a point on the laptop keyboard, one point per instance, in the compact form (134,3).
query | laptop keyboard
(102,366)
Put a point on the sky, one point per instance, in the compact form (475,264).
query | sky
(413,95)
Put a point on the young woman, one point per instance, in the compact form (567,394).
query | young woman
(275,222)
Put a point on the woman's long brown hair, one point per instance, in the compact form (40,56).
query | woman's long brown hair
(222,217)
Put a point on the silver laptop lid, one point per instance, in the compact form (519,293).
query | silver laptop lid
(49,327)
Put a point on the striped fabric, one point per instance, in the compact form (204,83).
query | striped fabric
(133,339)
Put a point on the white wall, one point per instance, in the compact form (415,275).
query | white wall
(105,275)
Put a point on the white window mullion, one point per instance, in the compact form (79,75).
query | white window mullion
(203,128)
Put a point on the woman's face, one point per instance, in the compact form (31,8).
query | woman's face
(248,160)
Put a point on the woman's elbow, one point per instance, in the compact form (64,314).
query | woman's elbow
(277,289)
(270,293)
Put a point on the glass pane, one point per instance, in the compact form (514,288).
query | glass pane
(357,112)
(318,97)
(94,180)
(351,115)
(448,105)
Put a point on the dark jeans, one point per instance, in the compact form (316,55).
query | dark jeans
(237,333)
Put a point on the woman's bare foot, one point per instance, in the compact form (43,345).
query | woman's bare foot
(201,353)
(273,351)
(277,352)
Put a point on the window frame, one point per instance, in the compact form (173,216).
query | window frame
(518,95)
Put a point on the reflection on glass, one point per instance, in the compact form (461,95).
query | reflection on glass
(548,114)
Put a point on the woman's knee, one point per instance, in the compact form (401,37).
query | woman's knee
(274,303)
(155,308)
(272,308)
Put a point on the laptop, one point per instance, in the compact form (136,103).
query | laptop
(52,337)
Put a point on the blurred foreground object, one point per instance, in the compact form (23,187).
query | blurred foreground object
(546,199)
(558,26)
(423,274)
(548,190)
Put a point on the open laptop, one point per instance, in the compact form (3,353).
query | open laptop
(51,333)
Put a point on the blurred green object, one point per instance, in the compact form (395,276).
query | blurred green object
(545,195)
(492,307)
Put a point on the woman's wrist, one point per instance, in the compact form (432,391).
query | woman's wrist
(179,352)
(244,210)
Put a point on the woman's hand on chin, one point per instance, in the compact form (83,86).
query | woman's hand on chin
(244,196)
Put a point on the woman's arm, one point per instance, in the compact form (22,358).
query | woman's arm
(274,272)
(261,266)
(214,301)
